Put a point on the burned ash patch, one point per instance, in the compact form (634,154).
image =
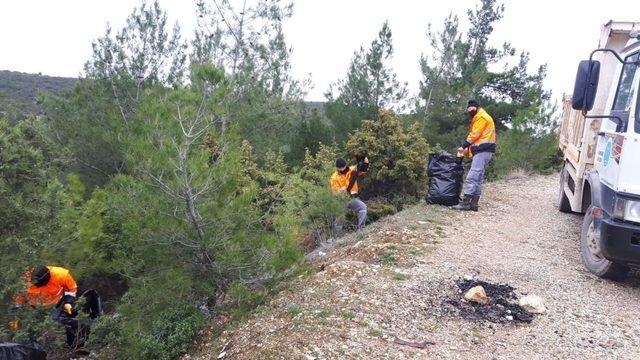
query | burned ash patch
(502,306)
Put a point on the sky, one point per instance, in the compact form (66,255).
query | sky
(54,37)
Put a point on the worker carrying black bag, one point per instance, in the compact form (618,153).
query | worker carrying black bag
(445,179)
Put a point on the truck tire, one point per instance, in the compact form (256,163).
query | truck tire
(563,201)
(592,255)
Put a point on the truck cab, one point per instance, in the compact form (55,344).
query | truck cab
(600,140)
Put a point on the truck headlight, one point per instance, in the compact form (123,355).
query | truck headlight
(627,210)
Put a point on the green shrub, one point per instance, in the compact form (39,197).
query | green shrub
(243,300)
(107,331)
(37,325)
(397,155)
(522,150)
(376,209)
(171,333)
(308,197)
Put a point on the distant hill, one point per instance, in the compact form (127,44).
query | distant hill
(20,90)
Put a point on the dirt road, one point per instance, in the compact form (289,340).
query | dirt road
(394,279)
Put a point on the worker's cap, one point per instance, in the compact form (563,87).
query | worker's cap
(41,276)
(473,103)
(340,163)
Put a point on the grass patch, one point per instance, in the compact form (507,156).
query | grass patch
(293,310)
(323,313)
(389,259)
(375,333)
(264,311)
(348,315)
(400,276)
(424,248)
(342,243)
(360,235)
(476,333)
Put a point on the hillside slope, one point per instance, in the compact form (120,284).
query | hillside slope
(23,88)
(396,279)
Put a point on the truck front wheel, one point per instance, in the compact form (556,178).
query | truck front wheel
(591,251)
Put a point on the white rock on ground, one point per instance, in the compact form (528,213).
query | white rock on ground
(532,304)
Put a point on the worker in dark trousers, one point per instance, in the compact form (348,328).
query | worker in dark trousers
(53,286)
(481,145)
(345,178)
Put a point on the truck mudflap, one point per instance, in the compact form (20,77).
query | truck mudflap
(620,242)
(593,180)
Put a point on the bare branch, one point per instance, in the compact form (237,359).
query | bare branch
(162,186)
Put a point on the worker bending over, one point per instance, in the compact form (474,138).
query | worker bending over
(53,286)
(345,178)
(481,144)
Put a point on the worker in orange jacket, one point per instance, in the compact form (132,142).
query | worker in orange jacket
(345,178)
(49,285)
(53,286)
(481,144)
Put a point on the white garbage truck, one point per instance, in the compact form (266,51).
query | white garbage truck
(600,140)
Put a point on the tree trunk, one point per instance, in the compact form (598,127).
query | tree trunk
(190,202)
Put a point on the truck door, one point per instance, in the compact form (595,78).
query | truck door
(629,175)
(613,135)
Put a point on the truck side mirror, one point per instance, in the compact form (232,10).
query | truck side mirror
(586,86)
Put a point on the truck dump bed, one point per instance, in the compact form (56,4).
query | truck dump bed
(577,136)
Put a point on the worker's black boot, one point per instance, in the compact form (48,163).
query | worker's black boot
(465,204)
(474,202)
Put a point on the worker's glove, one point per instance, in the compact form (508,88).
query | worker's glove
(67,305)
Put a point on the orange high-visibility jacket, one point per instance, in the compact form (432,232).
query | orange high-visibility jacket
(482,133)
(61,283)
(340,182)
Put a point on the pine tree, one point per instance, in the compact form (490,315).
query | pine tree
(248,43)
(370,85)
(309,133)
(32,198)
(459,70)
(141,54)
(91,119)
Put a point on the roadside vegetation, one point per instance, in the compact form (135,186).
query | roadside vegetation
(184,180)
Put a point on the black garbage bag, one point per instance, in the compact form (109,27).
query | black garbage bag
(445,179)
(11,351)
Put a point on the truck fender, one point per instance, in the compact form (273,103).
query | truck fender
(592,179)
